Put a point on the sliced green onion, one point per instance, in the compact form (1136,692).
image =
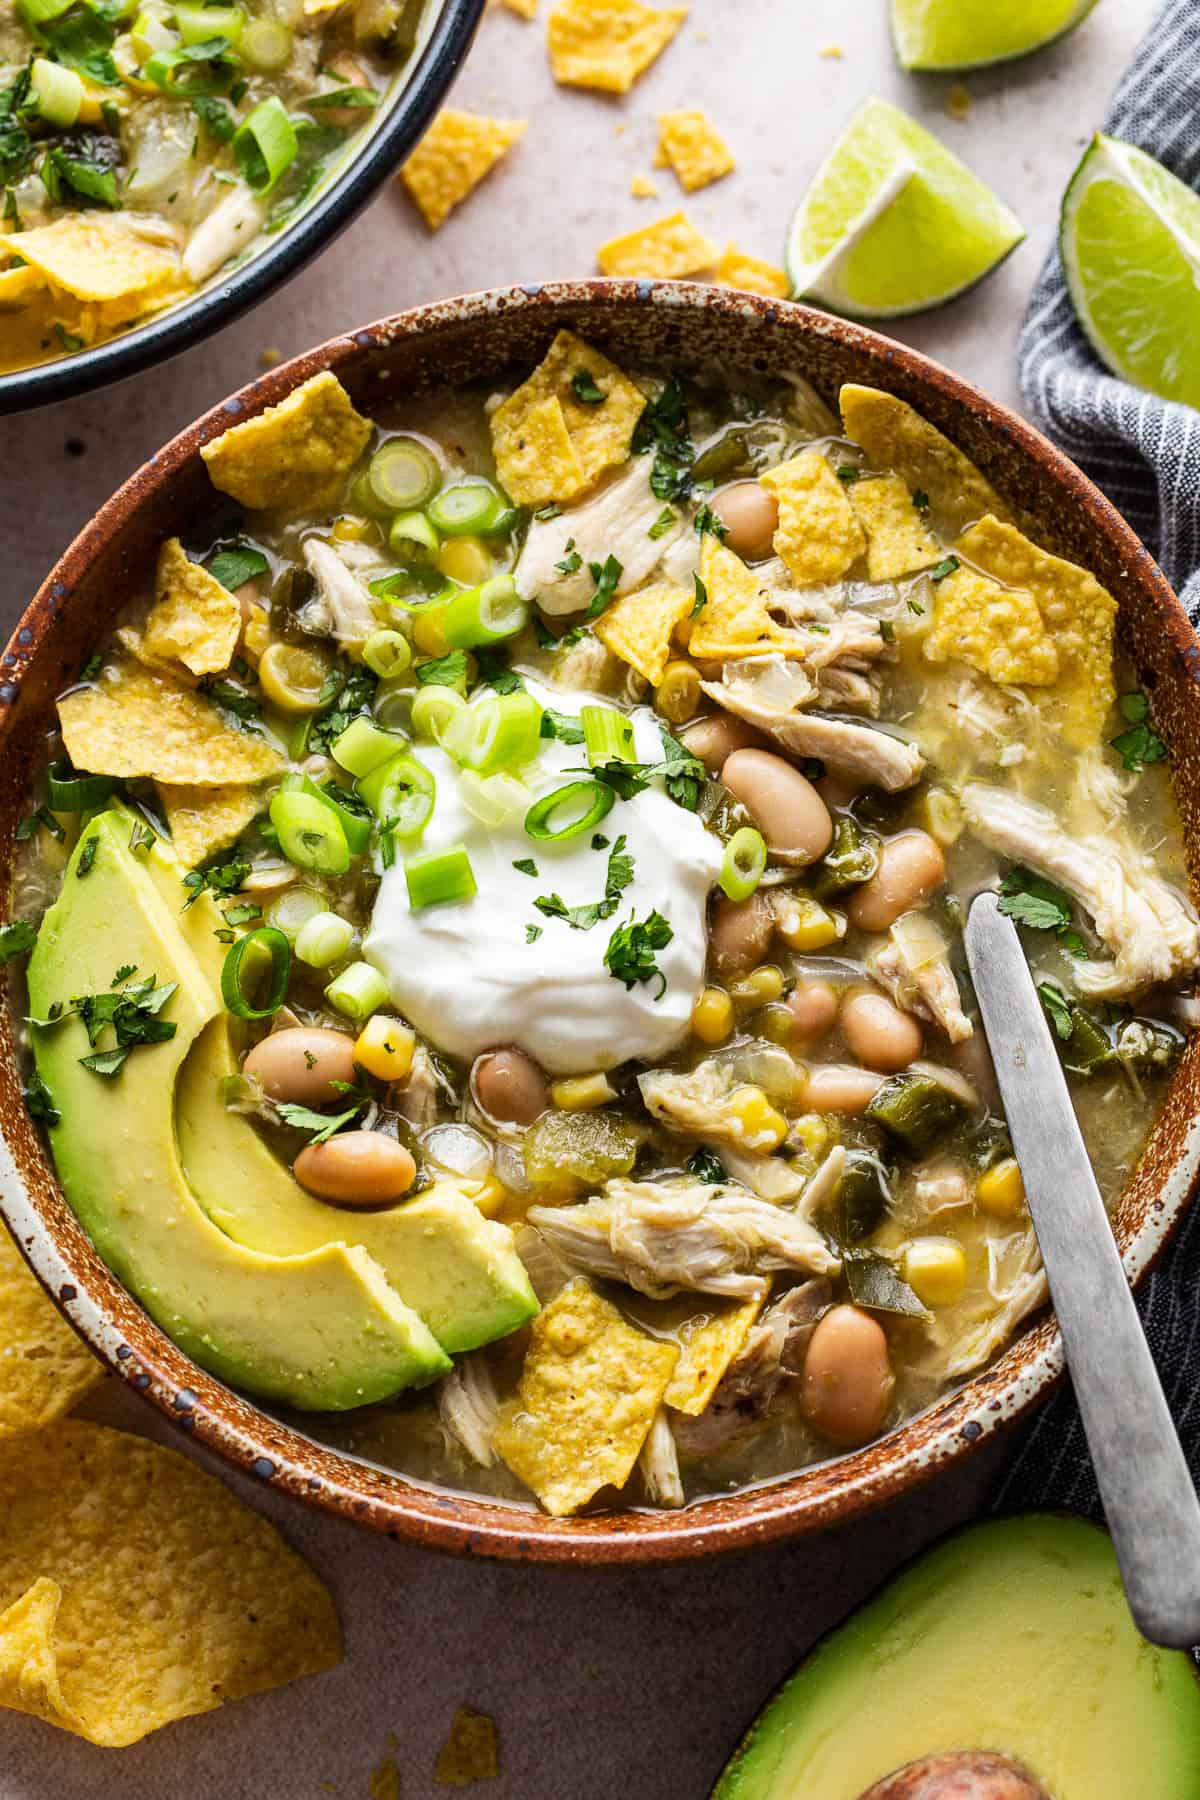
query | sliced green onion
(492,799)
(264,940)
(197,24)
(310,834)
(486,614)
(358,991)
(364,499)
(404,474)
(59,92)
(290,911)
(324,939)
(500,731)
(439,876)
(401,794)
(40,12)
(467,508)
(355,826)
(265,144)
(409,529)
(150,34)
(584,803)
(607,735)
(745,860)
(363,746)
(192,71)
(265,44)
(70,792)
(387,653)
(433,710)
(393,704)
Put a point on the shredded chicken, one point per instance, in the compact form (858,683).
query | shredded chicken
(468,1407)
(914,967)
(770,1177)
(1017,1282)
(617,522)
(823,1184)
(416,1097)
(1150,929)
(847,745)
(772,1355)
(342,606)
(659,1463)
(704,1102)
(234,221)
(664,1236)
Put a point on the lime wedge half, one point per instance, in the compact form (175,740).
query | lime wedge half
(944,35)
(1130,242)
(893,223)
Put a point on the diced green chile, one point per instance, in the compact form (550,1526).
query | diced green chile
(852,858)
(915,1111)
(729,456)
(876,1285)
(859,1203)
(1089,1047)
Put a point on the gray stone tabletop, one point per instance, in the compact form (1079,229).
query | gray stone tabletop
(608,1683)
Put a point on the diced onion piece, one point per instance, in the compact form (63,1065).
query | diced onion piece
(403,474)
(358,991)
(580,805)
(310,834)
(363,747)
(744,861)
(264,940)
(439,876)
(324,939)
(486,614)
(607,735)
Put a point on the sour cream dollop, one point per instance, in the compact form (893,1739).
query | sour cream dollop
(467,977)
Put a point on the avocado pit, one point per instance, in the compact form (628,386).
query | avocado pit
(959,1775)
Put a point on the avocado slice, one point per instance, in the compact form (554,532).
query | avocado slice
(1011,1636)
(322,1330)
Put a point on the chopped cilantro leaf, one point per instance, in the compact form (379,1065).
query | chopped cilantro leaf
(709,521)
(707,1167)
(946,567)
(571,561)
(663,428)
(599,841)
(39,1103)
(130,1009)
(1031,900)
(584,388)
(561,726)
(87,857)
(349,693)
(631,951)
(495,671)
(236,563)
(848,473)
(443,671)
(1141,744)
(123,974)
(663,523)
(235,701)
(92,666)
(606,576)
(701,600)
(16,938)
(320,1126)
(224,876)
(582,918)
(1058,1008)
(532,933)
(525,865)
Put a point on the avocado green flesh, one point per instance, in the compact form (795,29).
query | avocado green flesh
(322,1330)
(1013,1636)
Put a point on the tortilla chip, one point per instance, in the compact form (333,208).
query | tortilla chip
(898,542)
(638,626)
(898,440)
(136,721)
(296,455)
(669,248)
(18,287)
(553,451)
(710,1341)
(818,536)
(997,630)
(589,1390)
(642,188)
(734,620)
(452,159)
(607,44)
(736,269)
(136,1589)
(1078,616)
(690,143)
(470,1753)
(204,820)
(97,260)
(194,620)
(45,1370)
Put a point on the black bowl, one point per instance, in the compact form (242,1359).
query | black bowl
(426,83)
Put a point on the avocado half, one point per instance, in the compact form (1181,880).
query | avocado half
(1012,1636)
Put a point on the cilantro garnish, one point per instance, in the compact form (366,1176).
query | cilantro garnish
(571,559)
(241,914)
(532,933)
(495,671)
(130,1008)
(606,576)
(87,857)
(709,521)
(443,671)
(946,567)
(221,125)
(224,876)
(631,951)
(349,695)
(1031,900)
(682,774)
(92,666)
(1141,744)
(599,841)
(525,865)
(1058,1009)
(663,428)
(320,1126)
(701,600)
(561,726)
(582,918)
(235,564)
(235,701)
(16,938)
(39,1103)
(848,473)
(584,388)
(707,1167)
(663,523)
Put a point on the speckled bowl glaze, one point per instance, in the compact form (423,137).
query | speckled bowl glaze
(483,336)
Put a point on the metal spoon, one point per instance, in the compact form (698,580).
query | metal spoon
(1152,1509)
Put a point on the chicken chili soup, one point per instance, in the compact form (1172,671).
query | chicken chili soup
(146,147)
(501,898)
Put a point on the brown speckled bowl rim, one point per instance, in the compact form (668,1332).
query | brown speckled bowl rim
(252,1440)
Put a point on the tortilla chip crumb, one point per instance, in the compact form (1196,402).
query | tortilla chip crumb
(607,44)
(45,1370)
(832,52)
(384,1783)
(194,620)
(957,103)
(136,721)
(737,270)
(642,188)
(690,143)
(818,536)
(453,157)
(470,1753)
(898,542)
(295,455)
(668,249)
(638,626)
(548,443)
(269,357)
(898,440)
(524,9)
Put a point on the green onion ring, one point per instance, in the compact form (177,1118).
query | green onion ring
(540,817)
(71,792)
(745,860)
(272,940)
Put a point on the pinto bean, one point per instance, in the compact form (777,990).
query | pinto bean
(510,1086)
(813,1005)
(846,1385)
(839,1088)
(750,516)
(911,868)
(301,1064)
(740,932)
(715,739)
(879,1034)
(787,807)
(959,1775)
(356,1168)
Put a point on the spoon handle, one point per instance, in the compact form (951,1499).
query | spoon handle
(1150,1503)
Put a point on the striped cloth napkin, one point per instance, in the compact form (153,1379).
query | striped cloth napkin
(1145,454)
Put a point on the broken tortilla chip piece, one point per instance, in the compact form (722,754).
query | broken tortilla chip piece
(136,721)
(452,159)
(669,248)
(638,626)
(690,144)
(194,620)
(524,9)
(818,536)
(136,1589)
(204,820)
(734,620)
(548,443)
(471,1751)
(709,1342)
(736,269)
(997,630)
(607,44)
(898,542)
(589,1390)
(898,440)
(45,1370)
(98,261)
(295,455)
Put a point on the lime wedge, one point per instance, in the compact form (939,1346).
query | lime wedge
(893,223)
(944,35)
(1130,242)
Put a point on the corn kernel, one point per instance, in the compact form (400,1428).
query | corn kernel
(678,693)
(256,633)
(813,1132)
(384,1048)
(95,97)
(804,924)
(935,1268)
(465,559)
(1000,1192)
(712,1016)
(762,1128)
(761,987)
(942,816)
(490,1196)
(429,631)
(349,530)
(580,1093)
